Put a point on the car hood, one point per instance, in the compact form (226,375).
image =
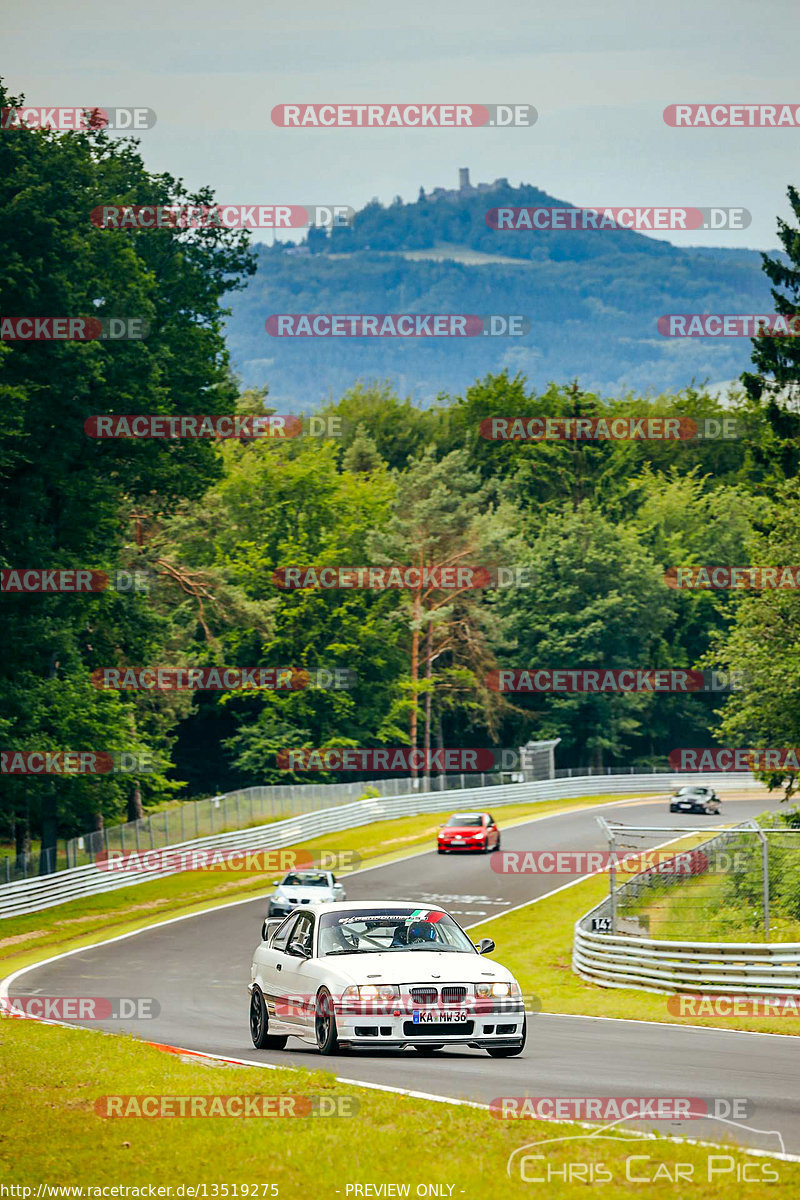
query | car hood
(415,966)
(312,895)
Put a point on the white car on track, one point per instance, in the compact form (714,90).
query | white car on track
(376,974)
(309,886)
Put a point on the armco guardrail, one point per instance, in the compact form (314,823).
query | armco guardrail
(236,810)
(30,895)
(653,965)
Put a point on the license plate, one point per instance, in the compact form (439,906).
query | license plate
(447,1016)
(458,839)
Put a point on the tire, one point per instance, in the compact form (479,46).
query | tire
(325,1024)
(439,850)
(511,1051)
(426,1050)
(497,847)
(672,808)
(259,1025)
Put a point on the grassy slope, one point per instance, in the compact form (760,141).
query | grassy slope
(52,1133)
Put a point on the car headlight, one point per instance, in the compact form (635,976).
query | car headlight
(488,991)
(276,896)
(372,991)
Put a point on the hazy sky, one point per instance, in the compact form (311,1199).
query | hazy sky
(599,72)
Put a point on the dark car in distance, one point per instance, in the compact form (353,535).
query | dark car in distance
(695,799)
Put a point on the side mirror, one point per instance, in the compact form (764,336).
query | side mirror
(275,882)
(485,946)
(264,932)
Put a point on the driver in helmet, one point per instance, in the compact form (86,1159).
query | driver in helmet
(421,931)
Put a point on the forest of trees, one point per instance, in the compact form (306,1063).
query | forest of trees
(596,525)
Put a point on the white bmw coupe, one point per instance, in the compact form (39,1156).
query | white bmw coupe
(375,974)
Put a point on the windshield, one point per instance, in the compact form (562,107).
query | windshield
(691,791)
(306,879)
(462,822)
(380,931)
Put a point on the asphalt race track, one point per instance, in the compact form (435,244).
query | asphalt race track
(198,969)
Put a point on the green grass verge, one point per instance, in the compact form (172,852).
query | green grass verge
(38,935)
(53,1134)
(535,943)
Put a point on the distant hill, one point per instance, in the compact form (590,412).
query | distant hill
(593,299)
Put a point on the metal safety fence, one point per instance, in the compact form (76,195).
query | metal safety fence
(30,895)
(738,871)
(219,814)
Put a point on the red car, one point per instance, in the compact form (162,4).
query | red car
(468,831)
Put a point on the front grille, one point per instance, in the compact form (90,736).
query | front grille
(410,1029)
(454,994)
(424,995)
